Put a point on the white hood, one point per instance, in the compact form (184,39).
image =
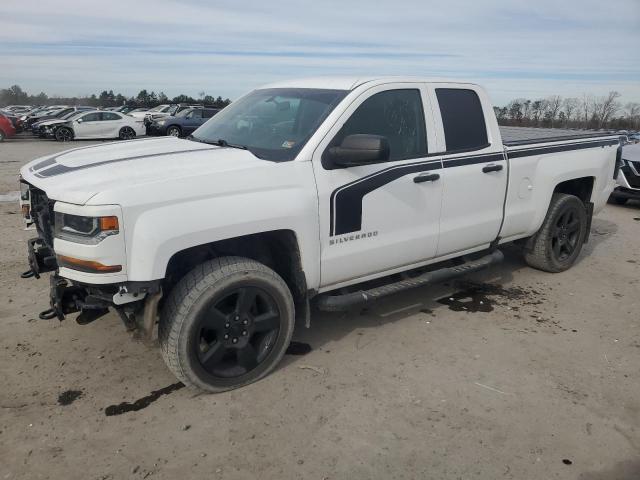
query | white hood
(118,169)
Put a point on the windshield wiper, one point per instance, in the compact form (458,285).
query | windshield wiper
(220,143)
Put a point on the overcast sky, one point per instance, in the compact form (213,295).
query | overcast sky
(514,48)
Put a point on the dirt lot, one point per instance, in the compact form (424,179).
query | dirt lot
(519,375)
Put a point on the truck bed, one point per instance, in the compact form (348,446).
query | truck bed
(513,136)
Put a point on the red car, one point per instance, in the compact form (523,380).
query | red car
(6,128)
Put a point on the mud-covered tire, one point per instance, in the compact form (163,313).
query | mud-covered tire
(556,246)
(204,314)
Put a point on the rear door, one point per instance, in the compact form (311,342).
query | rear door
(379,217)
(111,124)
(474,178)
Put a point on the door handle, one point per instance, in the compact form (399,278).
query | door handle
(491,168)
(426,177)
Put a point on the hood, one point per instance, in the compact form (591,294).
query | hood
(51,121)
(106,171)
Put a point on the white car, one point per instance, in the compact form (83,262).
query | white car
(100,124)
(159,109)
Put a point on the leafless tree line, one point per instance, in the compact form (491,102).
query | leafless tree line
(587,112)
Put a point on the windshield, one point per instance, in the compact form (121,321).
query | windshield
(273,123)
(159,108)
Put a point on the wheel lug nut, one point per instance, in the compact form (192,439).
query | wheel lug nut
(244,332)
(226,336)
(227,325)
(235,340)
(245,322)
(237,317)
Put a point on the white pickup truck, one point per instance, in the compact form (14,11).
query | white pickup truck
(322,189)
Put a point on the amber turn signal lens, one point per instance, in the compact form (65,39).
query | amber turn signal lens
(108,223)
(87,266)
(25,211)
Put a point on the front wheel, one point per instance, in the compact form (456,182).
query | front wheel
(226,324)
(126,133)
(64,134)
(557,244)
(2,136)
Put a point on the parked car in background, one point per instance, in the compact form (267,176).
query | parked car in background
(7,129)
(25,121)
(61,114)
(628,178)
(44,128)
(183,123)
(100,124)
(141,112)
(172,111)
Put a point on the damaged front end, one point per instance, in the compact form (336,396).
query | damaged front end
(135,302)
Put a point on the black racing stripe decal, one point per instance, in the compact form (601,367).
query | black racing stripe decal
(44,163)
(346,201)
(345,208)
(61,169)
(462,161)
(51,160)
(529,152)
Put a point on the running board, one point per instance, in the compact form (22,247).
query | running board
(336,303)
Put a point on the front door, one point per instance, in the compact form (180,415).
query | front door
(379,217)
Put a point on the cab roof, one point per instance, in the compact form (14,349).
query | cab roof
(352,82)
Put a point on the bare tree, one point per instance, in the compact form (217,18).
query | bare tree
(553,105)
(605,107)
(585,109)
(570,106)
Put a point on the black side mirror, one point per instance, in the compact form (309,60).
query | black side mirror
(359,149)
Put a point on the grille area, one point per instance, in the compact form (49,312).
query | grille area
(42,214)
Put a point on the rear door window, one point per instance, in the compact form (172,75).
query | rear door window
(91,117)
(462,119)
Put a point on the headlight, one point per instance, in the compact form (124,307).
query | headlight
(161,122)
(87,230)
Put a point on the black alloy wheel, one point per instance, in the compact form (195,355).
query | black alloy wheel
(127,133)
(565,235)
(236,332)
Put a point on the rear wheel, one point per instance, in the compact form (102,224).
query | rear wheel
(174,131)
(226,324)
(2,136)
(64,134)
(557,244)
(620,200)
(126,133)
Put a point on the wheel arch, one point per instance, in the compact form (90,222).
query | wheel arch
(581,187)
(277,249)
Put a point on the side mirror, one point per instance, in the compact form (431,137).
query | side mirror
(79,120)
(360,149)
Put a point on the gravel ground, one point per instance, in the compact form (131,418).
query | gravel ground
(514,374)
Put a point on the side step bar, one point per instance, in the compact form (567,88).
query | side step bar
(336,303)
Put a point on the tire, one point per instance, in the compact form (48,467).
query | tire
(126,133)
(620,200)
(174,131)
(556,246)
(2,136)
(209,340)
(64,134)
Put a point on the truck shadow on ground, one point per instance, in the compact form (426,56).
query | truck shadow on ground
(473,293)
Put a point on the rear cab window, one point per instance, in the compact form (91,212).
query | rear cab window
(462,119)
